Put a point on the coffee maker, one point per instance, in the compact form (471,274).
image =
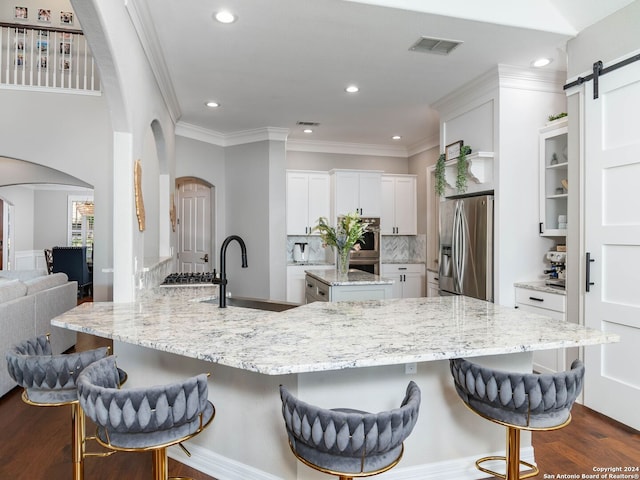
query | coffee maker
(557,269)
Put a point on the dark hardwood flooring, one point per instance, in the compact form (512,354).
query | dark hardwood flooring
(35,445)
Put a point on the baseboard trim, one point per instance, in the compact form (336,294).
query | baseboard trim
(223,468)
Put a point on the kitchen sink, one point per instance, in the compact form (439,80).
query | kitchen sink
(256,303)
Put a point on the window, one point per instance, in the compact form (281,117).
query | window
(81,217)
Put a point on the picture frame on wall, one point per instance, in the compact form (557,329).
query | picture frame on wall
(65,48)
(453,150)
(66,18)
(65,64)
(44,15)
(20,13)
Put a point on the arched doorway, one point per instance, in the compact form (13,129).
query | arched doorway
(195,225)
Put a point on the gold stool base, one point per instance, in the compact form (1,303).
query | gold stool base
(533,473)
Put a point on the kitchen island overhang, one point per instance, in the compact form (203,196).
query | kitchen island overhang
(333,354)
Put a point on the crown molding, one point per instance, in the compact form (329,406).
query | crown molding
(140,15)
(482,87)
(347,148)
(228,140)
(540,80)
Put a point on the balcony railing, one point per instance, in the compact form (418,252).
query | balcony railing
(39,57)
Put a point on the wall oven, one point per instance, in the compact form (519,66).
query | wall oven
(367,258)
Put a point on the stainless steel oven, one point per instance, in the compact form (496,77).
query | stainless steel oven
(367,258)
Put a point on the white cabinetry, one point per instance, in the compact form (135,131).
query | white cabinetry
(552,305)
(553,172)
(307,200)
(295,281)
(356,191)
(317,291)
(433,284)
(409,279)
(399,205)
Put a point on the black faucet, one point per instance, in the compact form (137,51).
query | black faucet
(222,279)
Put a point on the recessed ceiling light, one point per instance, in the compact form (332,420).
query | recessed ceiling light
(225,16)
(396,137)
(541,62)
(352,89)
(213,104)
(307,130)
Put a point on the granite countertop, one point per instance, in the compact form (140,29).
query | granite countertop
(324,336)
(541,286)
(354,277)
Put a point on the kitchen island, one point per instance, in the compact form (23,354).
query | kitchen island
(328,286)
(350,354)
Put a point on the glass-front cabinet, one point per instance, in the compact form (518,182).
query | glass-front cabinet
(554,188)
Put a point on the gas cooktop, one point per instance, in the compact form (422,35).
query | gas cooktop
(188,279)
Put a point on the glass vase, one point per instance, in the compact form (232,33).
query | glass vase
(342,263)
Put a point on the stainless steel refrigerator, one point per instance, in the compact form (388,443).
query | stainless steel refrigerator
(466,247)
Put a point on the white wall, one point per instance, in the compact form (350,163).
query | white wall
(23,201)
(613,38)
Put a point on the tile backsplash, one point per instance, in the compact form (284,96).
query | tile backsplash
(394,248)
(403,249)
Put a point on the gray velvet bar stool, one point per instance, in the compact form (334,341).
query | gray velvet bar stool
(345,442)
(50,381)
(519,401)
(144,418)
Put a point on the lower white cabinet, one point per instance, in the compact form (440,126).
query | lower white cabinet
(295,281)
(317,291)
(433,284)
(409,278)
(553,305)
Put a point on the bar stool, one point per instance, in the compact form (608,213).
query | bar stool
(345,442)
(50,381)
(144,419)
(519,401)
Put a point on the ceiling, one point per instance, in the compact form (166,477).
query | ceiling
(288,61)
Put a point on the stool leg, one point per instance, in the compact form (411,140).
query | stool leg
(160,464)
(513,453)
(77,440)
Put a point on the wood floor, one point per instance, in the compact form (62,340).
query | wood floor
(35,445)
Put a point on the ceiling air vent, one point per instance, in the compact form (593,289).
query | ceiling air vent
(308,124)
(435,45)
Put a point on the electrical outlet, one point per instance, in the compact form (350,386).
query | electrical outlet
(410,368)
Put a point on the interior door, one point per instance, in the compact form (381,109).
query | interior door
(194,227)
(612,238)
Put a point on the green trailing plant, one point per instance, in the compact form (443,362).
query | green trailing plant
(462,167)
(557,116)
(439,172)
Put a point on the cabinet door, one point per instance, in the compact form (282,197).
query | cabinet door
(297,203)
(405,204)
(413,285)
(547,361)
(370,194)
(387,214)
(295,284)
(318,198)
(347,192)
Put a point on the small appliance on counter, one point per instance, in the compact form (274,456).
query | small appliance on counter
(300,252)
(557,269)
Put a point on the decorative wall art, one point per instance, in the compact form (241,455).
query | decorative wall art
(137,182)
(66,18)
(172,213)
(44,15)
(453,150)
(21,13)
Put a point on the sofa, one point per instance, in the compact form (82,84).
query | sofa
(29,299)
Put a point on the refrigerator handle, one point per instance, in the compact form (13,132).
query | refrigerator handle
(463,244)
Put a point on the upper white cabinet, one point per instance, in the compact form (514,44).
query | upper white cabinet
(399,205)
(553,179)
(307,200)
(356,191)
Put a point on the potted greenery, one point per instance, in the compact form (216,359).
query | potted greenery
(461,171)
(344,237)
